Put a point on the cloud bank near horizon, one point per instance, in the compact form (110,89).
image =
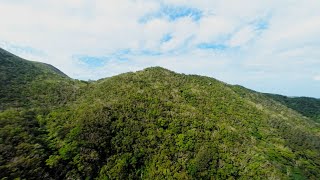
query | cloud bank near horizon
(267,46)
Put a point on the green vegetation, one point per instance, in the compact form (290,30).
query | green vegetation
(151,124)
(31,84)
(309,107)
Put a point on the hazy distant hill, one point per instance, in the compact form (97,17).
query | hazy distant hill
(151,124)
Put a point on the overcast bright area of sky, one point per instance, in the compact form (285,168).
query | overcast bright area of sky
(269,46)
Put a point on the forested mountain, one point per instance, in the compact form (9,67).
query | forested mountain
(149,124)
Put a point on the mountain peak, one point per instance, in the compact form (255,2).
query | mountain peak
(4,53)
(16,64)
(151,124)
(158,69)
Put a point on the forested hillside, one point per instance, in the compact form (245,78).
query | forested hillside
(30,84)
(309,107)
(149,124)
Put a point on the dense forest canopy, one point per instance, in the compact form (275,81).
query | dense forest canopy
(309,107)
(150,124)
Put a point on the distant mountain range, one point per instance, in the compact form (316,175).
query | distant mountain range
(150,124)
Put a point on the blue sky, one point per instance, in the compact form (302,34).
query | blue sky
(269,46)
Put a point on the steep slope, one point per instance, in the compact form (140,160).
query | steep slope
(154,124)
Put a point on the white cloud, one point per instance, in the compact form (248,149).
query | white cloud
(212,27)
(287,47)
(242,36)
(316,78)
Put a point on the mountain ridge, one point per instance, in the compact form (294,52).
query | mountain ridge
(149,124)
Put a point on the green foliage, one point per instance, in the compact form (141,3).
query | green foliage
(22,145)
(31,84)
(309,107)
(151,124)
